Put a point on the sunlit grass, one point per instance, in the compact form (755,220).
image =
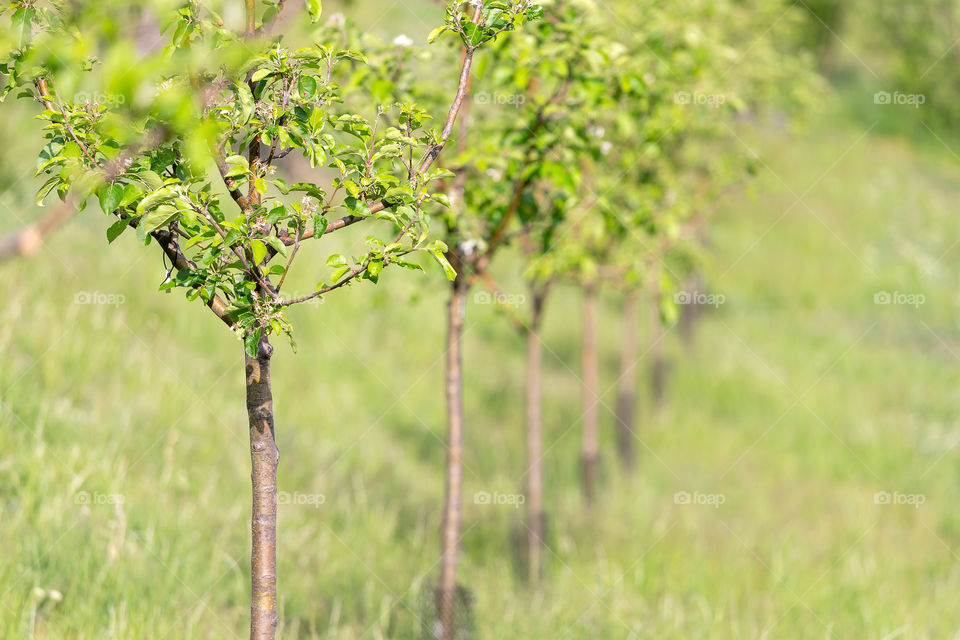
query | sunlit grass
(124,467)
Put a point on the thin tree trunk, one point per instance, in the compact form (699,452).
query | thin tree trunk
(450,530)
(264,457)
(627,396)
(590,391)
(658,364)
(691,313)
(534,440)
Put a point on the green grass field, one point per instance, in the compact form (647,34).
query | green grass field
(799,401)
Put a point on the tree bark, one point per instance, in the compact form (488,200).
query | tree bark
(264,457)
(534,440)
(450,530)
(591,400)
(627,396)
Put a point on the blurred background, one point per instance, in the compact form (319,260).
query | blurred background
(813,410)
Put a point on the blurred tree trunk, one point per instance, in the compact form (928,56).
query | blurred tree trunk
(450,530)
(627,396)
(591,400)
(535,516)
(659,367)
(691,312)
(264,458)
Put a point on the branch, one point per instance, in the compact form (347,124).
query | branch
(356,271)
(28,240)
(251,9)
(111,171)
(242,201)
(168,243)
(430,156)
(462,87)
(353,273)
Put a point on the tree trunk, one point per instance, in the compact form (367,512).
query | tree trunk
(627,396)
(264,457)
(590,393)
(534,440)
(659,367)
(450,530)
(690,314)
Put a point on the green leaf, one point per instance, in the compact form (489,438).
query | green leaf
(413,266)
(442,259)
(319,226)
(259,250)
(436,33)
(246,102)
(71,150)
(277,245)
(397,192)
(110,197)
(151,179)
(116,229)
(46,189)
(251,342)
(161,216)
(315,7)
(260,74)
(155,199)
(238,164)
(131,193)
(338,274)
(308,87)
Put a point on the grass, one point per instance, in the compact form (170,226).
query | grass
(798,402)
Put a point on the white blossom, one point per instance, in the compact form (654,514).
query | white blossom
(469,247)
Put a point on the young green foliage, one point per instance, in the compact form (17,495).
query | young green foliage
(144,140)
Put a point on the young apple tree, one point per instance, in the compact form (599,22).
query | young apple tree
(184,144)
(516,178)
(674,153)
